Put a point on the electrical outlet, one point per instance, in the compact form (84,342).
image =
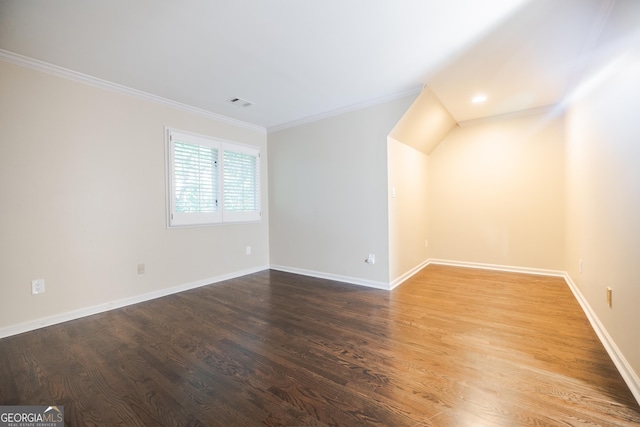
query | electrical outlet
(37,286)
(371,259)
(609,296)
(580,266)
(140,268)
(247,250)
(426,243)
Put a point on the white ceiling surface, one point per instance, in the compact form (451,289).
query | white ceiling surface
(298,60)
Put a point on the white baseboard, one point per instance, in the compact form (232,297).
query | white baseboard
(498,267)
(409,274)
(625,369)
(330,276)
(406,276)
(112,305)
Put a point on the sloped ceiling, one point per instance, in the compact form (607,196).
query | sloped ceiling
(425,123)
(531,60)
(300,60)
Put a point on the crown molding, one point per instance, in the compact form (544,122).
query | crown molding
(76,76)
(344,110)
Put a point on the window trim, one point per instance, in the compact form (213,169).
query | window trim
(221,216)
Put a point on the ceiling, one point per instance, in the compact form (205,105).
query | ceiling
(301,60)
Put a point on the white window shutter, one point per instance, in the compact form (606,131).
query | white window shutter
(195,180)
(210,181)
(241,183)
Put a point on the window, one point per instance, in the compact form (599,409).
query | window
(211,181)
(240,183)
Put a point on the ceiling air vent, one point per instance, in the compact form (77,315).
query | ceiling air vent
(240,102)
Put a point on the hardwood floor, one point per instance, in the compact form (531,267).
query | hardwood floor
(450,347)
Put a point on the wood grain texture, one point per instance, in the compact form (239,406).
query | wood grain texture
(450,347)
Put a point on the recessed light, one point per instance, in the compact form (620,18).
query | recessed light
(479,98)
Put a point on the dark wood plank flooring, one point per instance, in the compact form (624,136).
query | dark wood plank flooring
(450,347)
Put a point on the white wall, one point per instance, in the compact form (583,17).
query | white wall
(328,194)
(82,187)
(408,209)
(496,193)
(603,185)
